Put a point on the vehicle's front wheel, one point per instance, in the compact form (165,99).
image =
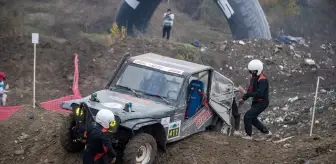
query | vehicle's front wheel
(141,149)
(67,136)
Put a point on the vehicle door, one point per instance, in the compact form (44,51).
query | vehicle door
(202,117)
(221,96)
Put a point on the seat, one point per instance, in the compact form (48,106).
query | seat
(195,98)
(155,84)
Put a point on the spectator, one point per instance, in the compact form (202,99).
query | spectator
(168,20)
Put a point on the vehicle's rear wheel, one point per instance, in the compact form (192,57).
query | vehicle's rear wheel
(223,128)
(141,149)
(67,136)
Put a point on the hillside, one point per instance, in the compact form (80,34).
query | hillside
(289,77)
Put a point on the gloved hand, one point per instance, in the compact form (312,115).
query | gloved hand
(113,160)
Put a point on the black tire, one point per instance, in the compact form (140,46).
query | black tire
(248,20)
(132,147)
(66,136)
(219,125)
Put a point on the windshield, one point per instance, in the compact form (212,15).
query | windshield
(151,82)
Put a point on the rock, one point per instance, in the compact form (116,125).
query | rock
(293,99)
(276,108)
(323,46)
(279,119)
(23,136)
(277,49)
(317,121)
(323,91)
(291,47)
(287,145)
(241,42)
(70,78)
(285,108)
(222,47)
(310,61)
(309,55)
(111,50)
(297,55)
(46,161)
(19,152)
(281,67)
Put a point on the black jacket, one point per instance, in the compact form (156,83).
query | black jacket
(99,141)
(258,89)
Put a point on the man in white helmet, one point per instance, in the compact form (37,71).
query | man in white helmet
(98,136)
(258,89)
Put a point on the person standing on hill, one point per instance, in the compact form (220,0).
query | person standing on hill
(258,89)
(168,20)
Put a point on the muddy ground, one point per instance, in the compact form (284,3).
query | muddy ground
(36,140)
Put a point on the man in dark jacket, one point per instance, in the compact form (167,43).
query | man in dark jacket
(258,89)
(99,145)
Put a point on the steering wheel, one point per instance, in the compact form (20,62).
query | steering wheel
(172,91)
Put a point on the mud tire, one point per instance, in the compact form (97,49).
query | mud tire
(134,145)
(219,125)
(66,136)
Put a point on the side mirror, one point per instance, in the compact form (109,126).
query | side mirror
(94,97)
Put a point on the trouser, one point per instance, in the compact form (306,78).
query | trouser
(251,118)
(88,158)
(235,114)
(3,99)
(166,30)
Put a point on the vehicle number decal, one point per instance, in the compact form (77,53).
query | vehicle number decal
(174,130)
(202,117)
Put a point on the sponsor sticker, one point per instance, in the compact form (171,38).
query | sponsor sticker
(202,117)
(159,67)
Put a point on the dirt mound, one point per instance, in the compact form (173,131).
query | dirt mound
(35,140)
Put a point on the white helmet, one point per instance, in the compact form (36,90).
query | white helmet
(255,65)
(105,117)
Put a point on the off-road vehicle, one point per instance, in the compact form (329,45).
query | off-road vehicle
(157,100)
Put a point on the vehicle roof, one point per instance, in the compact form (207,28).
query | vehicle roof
(167,63)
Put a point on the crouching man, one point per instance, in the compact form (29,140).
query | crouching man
(98,148)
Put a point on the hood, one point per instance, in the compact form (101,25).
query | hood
(115,101)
